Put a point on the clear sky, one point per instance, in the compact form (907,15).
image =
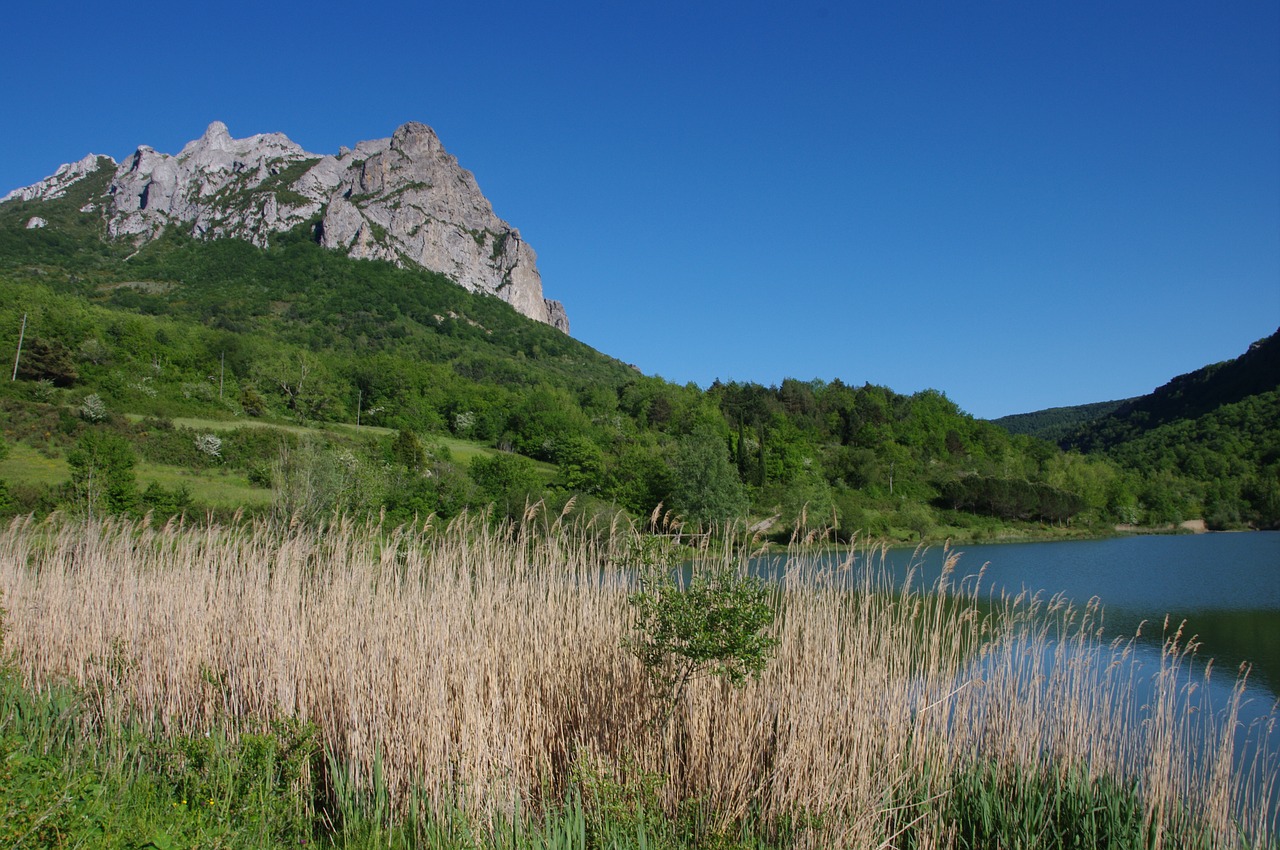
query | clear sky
(1022,204)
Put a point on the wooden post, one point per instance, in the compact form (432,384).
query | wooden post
(21,335)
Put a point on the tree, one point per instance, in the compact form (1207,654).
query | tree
(5,500)
(715,624)
(638,479)
(313,483)
(47,360)
(305,385)
(705,486)
(102,477)
(581,465)
(508,480)
(407,451)
(93,409)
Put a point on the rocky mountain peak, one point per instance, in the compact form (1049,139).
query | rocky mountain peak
(404,199)
(415,139)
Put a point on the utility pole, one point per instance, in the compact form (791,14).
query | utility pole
(222,371)
(359,404)
(21,334)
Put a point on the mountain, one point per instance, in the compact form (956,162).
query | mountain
(243,280)
(1056,423)
(403,199)
(1187,397)
(1205,444)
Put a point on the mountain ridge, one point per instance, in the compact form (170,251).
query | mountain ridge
(1185,397)
(403,199)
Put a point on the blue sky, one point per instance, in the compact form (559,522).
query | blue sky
(1023,205)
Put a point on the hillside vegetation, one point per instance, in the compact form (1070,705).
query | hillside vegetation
(1211,437)
(297,335)
(1056,423)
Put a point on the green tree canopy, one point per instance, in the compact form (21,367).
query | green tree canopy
(705,485)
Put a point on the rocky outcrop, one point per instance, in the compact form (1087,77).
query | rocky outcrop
(217,185)
(55,186)
(403,199)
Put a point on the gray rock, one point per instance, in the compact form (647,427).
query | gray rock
(36,222)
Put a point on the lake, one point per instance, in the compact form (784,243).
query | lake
(1226,587)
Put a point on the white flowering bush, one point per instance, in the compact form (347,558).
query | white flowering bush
(209,445)
(93,408)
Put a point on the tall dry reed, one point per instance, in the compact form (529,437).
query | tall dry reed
(479,668)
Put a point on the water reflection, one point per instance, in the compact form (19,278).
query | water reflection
(1165,607)
(1225,586)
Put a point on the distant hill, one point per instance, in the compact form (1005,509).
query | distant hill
(1057,423)
(1186,397)
(1207,442)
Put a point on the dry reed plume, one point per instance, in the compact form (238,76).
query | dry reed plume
(483,667)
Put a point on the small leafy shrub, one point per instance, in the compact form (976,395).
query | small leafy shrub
(259,475)
(252,402)
(102,474)
(714,624)
(44,390)
(166,502)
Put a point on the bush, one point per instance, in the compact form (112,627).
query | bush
(102,477)
(508,480)
(715,624)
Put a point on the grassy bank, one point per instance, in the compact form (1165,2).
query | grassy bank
(459,680)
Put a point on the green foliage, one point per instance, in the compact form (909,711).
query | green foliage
(62,788)
(705,487)
(310,336)
(102,473)
(1057,423)
(1046,809)
(313,483)
(582,465)
(252,402)
(166,502)
(406,450)
(1011,498)
(6,505)
(1202,445)
(1188,397)
(47,360)
(716,624)
(509,481)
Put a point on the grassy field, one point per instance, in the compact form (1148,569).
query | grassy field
(215,488)
(480,674)
(462,451)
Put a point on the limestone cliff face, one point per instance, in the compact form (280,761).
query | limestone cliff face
(402,199)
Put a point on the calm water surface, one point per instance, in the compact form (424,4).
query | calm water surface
(1225,586)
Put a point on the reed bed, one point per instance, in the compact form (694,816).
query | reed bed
(482,670)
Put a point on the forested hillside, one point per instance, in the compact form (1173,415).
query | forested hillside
(1212,437)
(463,402)
(1056,423)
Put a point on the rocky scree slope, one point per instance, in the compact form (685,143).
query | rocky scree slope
(403,199)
